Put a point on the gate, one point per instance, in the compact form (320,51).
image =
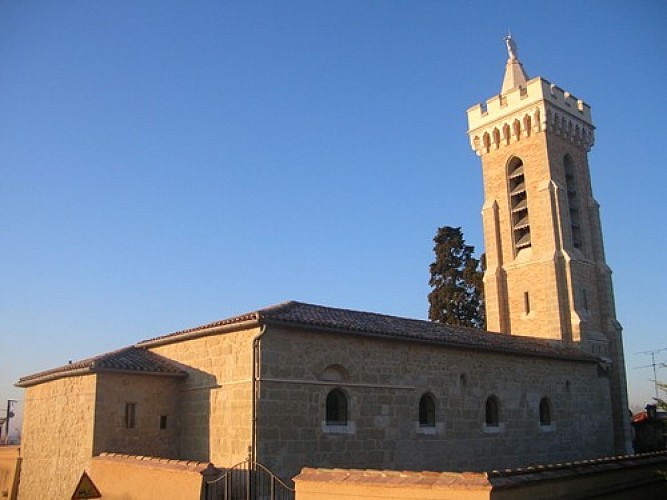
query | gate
(246,480)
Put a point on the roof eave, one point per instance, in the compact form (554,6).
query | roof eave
(202,332)
(91,370)
(140,372)
(452,345)
(47,377)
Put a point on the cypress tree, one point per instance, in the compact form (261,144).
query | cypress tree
(457,290)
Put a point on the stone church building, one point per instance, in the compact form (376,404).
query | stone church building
(299,385)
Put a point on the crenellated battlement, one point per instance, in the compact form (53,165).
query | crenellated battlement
(539,106)
(535,90)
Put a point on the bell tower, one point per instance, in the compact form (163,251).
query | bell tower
(546,273)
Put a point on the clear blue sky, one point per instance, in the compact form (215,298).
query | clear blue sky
(166,164)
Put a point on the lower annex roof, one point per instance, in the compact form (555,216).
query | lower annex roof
(129,359)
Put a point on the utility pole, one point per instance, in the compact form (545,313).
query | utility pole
(653,365)
(8,417)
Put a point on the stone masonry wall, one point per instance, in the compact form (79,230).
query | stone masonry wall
(384,380)
(57,436)
(532,270)
(154,397)
(215,398)
(546,270)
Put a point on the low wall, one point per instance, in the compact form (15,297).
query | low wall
(618,478)
(10,468)
(119,477)
(340,484)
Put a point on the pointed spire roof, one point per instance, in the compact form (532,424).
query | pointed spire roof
(515,75)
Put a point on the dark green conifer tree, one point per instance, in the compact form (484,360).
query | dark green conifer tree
(457,290)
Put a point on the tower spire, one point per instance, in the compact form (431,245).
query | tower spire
(515,75)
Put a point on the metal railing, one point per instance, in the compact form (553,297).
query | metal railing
(246,480)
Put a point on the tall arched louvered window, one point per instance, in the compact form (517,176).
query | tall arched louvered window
(573,202)
(519,205)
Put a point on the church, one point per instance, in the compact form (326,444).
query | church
(300,385)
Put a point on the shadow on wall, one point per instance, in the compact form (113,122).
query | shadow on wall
(194,403)
(155,415)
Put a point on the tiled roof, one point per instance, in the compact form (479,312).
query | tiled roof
(129,359)
(309,316)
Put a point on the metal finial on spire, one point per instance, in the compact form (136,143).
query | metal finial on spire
(512,49)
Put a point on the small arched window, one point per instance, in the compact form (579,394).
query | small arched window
(427,411)
(545,411)
(492,412)
(336,410)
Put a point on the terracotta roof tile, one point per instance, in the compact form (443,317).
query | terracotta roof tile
(128,359)
(152,461)
(302,315)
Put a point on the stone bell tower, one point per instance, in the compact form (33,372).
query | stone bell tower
(546,272)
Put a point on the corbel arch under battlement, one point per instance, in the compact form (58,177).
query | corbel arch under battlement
(506,132)
(495,134)
(527,125)
(516,129)
(570,129)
